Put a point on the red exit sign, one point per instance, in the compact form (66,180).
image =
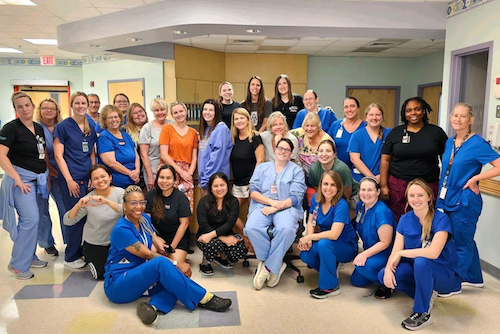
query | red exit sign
(48,60)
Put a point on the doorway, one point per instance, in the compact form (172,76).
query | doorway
(431,93)
(133,88)
(470,78)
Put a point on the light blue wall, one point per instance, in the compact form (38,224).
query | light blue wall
(100,73)
(329,76)
(10,72)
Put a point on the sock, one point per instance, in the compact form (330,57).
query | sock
(208,296)
(268,270)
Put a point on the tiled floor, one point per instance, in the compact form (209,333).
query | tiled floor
(61,300)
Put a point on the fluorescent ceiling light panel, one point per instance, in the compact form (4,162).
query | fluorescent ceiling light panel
(17,2)
(41,41)
(9,50)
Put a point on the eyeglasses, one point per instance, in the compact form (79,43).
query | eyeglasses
(136,203)
(122,102)
(49,109)
(282,149)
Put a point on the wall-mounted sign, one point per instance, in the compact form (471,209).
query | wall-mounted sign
(47,61)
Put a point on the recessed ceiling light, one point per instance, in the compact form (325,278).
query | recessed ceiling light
(253,31)
(9,50)
(17,2)
(41,41)
(180,32)
(94,46)
(134,39)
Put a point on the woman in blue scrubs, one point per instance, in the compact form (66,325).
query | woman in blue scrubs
(463,158)
(342,129)
(74,142)
(365,146)
(135,267)
(331,238)
(117,150)
(276,189)
(326,116)
(375,224)
(423,262)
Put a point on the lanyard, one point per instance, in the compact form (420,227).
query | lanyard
(454,152)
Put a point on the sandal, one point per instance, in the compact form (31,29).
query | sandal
(206,269)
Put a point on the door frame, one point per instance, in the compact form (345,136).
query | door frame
(397,112)
(420,93)
(129,80)
(456,78)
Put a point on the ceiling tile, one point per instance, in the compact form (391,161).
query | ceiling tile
(206,40)
(313,43)
(301,51)
(239,51)
(31,34)
(349,43)
(24,11)
(356,39)
(399,50)
(5,35)
(117,3)
(331,39)
(73,11)
(235,48)
(107,10)
(41,21)
(408,45)
(279,42)
(360,54)
(217,36)
(386,55)
(439,46)
(330,54)
(270,51)
(72,19)
(64,3)
(333,47)
(46,29)
(249,36)
(15,28)
(8,20)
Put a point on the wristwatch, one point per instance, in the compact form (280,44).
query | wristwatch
(175,263)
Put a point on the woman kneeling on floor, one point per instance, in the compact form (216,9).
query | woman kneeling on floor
(129,275)
(276,189)
(330,238)
(424,261)
(217,213)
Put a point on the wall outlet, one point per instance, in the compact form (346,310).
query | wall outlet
(498,111)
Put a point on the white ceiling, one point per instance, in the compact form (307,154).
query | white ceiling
(18,22)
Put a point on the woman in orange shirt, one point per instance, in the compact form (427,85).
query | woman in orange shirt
(179,148)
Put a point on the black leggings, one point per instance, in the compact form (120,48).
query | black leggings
(212,249)
(95,257)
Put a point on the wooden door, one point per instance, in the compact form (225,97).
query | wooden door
(432,96)
(383,96)
(186,90)
(133,88)
(203,90)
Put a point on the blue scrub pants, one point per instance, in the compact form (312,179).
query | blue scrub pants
(73,233)
(171,285)
(27,207)
(464,222)
(271,251)
(45,238)
(367,274)
(417,279)
(324,255)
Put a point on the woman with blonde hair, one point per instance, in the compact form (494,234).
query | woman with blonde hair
(148,140)
(135,118)
(226,103)
(24,185)
(179,149)
(463,159)
(74,143)
(48,114)
(365,146)
(277,128)
(423,263)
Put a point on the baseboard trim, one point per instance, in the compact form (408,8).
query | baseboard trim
(490,269)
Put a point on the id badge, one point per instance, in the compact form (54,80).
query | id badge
(274,189)
(358,217)
(339,133)
(41,151)
(85,146)
(406,139)
(315,217)
(442,193)
(167,206)
(356,171)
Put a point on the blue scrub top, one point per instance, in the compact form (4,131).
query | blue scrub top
(124,153)
(92,124)
(370,152)
(342,142)
(75,141)
(49,145)
(336,214)
(409,226)
(326,116)
(125,234)
(370,221)
(467,162)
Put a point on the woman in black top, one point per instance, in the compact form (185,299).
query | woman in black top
(217,213)
(226,102)
(256,104)
(170,213)
(285,101)
(411,151)
(24,185)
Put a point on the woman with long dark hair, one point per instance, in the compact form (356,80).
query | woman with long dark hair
(285,101)
(217,213)
(256,104)
(170,213)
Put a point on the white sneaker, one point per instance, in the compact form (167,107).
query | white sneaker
(449,294)
(273,279)
(431,302)
(261,276)
(474,285)
(77,264)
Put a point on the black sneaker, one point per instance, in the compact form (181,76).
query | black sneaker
(206,269)
(216,304)
(52,251)
(417,321)
(322,294)
(224,263)
(383,292)
(146,312)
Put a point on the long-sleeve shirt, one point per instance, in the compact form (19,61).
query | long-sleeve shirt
(222,223)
